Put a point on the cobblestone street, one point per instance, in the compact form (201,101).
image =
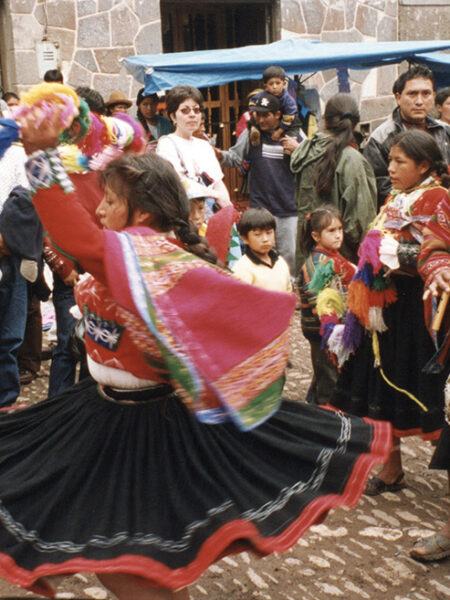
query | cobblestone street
(356,554)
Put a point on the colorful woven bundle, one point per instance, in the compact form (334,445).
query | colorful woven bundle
(368,294)
(100,139)
(330,303)
(41,100)
(109,137)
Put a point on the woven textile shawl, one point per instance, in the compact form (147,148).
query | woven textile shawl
(225,344)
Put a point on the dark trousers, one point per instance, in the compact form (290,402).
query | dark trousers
(13,315)
(325,375)
(30,351)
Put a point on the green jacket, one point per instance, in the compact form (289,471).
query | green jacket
(354,192)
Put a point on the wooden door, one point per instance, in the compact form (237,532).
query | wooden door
(188,26)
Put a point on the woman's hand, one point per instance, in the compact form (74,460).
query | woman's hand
(440,284)
(40,131)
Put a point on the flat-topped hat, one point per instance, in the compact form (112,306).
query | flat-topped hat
(118,97)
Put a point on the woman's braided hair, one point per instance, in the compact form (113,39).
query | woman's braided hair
(150,183)
(341,116)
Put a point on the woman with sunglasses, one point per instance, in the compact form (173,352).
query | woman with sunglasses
(192,158)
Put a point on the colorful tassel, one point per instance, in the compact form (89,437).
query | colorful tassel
(369,250)
(329,301)
(353,332)
(322,276)
(376,321)
(336,346)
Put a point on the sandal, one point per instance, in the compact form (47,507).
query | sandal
(435,547)
(376,486)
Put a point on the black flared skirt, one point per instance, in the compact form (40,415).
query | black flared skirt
(405,349)
(88,484)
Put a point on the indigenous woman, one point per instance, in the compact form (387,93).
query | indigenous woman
(434,266)
(192,158)
(385,299)
(179,452)
(155,125)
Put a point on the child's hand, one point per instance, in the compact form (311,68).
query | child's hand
(276,135)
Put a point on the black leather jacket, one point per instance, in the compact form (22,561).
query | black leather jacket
(379,144)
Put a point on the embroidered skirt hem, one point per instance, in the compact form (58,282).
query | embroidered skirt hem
(91,485)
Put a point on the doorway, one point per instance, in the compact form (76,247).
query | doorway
(188,26)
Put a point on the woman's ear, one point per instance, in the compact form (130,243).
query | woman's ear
(142,217)
(424,167)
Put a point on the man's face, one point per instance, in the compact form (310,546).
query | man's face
(416,100)
(267,121)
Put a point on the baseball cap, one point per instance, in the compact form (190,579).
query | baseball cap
(194,189)
(266,102)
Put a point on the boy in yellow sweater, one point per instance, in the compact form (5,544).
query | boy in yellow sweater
(261,264)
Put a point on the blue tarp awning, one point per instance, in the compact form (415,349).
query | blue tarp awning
(205,68)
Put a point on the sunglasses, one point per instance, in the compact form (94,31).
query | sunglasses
(187,109)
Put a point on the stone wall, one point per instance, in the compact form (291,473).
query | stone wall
(419,16)
(348,21)
(92,35)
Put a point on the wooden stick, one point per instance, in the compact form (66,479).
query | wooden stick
(437,321)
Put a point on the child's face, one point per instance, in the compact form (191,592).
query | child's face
(331,237)
(197,211)
(275,85)
(260,241)
(404,172)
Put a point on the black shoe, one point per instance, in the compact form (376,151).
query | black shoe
(26,376)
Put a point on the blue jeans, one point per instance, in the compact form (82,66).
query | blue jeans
(286,238)
(62,368)
(13,317)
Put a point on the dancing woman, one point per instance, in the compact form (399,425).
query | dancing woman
(180,452)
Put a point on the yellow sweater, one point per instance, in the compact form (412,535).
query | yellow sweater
(276,278)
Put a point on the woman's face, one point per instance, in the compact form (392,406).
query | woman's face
(148,108)
(404,172)
(112,210)
(187,117)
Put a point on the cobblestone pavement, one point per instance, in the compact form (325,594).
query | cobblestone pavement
(356,554)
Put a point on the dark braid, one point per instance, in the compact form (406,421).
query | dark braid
(150,183)
(186,232)
(341,116)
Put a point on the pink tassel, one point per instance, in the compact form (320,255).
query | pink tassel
(369,251)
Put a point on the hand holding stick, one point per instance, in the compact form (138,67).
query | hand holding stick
(437,321)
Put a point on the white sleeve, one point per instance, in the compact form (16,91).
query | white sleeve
(166,149)
(208,163)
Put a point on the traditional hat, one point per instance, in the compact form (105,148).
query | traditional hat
(118,97)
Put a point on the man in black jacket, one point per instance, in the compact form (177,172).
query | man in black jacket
(414,93)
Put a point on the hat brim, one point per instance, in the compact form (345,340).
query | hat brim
(261,109)
(126,102)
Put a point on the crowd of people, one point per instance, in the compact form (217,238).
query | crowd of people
(175,447)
